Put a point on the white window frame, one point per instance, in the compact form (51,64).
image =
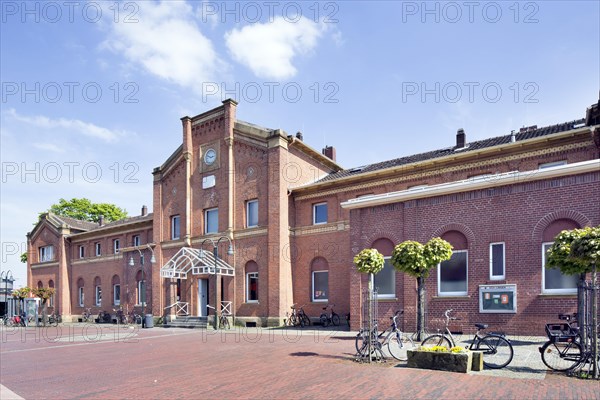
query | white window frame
(51,301)
(116,301)
(46,253)
(387,295)
(175,222)
(498,277)
(314,213)
(81,251)
(439,277)
(81,296)
(136,240)
(312,292)
(98,247)
(248,276)
(98,295)
(248,203)
(552,164)
(116,245)
(140,291)
(552,291)
(210,210)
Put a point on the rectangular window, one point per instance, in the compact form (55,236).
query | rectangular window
(452,275)
(252,287)
(98,296)
(211,220)
(81,251)
(141,294)
(319,213)
(497,267)
(46,253)
(175,227)
(116,245)
(80,297)
(51,301)
(554,281)
(385,281)
(98,249)
(552,164)
(252,213)
(320,285)
(116,295)
(136,240)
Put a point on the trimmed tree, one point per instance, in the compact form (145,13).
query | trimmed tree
(578,252)
(45,294)
(21,294)
(417,260)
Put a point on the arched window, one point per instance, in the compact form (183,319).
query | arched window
(98,291)
(80,294)
(319,270)
(40,285)
(453,273)
(554,281)
(385,280)
(251,270)
(51,300)
(116,290)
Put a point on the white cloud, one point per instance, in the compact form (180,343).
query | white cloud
(75,125)
(49,147)
(268,49)
(167,43)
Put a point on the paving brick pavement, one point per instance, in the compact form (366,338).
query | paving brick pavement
(109,362)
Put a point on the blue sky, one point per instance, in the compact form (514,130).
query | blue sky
(93,92)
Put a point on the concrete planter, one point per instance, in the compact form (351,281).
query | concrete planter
(453,362)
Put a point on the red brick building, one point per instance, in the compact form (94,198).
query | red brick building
(295,219)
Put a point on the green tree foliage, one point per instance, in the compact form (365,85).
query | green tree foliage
(560,256)
(369,261)
(417,260)
(83,209)
(24,257)
(586,248)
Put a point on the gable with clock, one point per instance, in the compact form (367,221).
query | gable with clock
(209,157)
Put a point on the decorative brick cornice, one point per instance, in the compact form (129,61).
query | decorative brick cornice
(368,240)
(573,215)
(325,228)
(442,171)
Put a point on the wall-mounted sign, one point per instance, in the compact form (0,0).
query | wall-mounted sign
(498,298)
(208,182)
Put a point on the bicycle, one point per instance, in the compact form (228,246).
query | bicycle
(398,343)
(87,315)
(497,350)
(297,317)
(224,322)
(134,318)
(564,350)
(54,319)
(332,318)
(120,316)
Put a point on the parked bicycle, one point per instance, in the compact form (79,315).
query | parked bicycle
(297,317)
(134,318)
(564,350)
(397,342)
(87,315)
(120,316)
(224,322)
(15,320)
(497,350)
(54,319)
(331,319)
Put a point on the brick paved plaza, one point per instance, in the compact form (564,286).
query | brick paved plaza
(89,361)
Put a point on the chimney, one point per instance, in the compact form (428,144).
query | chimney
(299,135)
(101,220)
(329,151)
(144,211)
(513,137)
(460,138)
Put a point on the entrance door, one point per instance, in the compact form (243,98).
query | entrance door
(202,297)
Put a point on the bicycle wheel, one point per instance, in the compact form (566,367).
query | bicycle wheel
(54,321)
(292,320)
(305,319)
(324,320)
(335,319)
(497,351)
(561,356)
(399,345)
(361,340)
(437,340)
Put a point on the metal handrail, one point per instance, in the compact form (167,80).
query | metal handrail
(181,307)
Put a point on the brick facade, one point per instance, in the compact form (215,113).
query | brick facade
(224,163)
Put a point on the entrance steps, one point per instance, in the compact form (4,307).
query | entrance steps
(189,322)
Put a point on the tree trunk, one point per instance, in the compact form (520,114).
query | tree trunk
(581,317)
(420,308)
(595,322)
(44,311)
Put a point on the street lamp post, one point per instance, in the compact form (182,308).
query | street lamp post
(143,292)
(230,251)
(12,278)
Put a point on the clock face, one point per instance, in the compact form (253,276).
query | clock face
(210,156)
